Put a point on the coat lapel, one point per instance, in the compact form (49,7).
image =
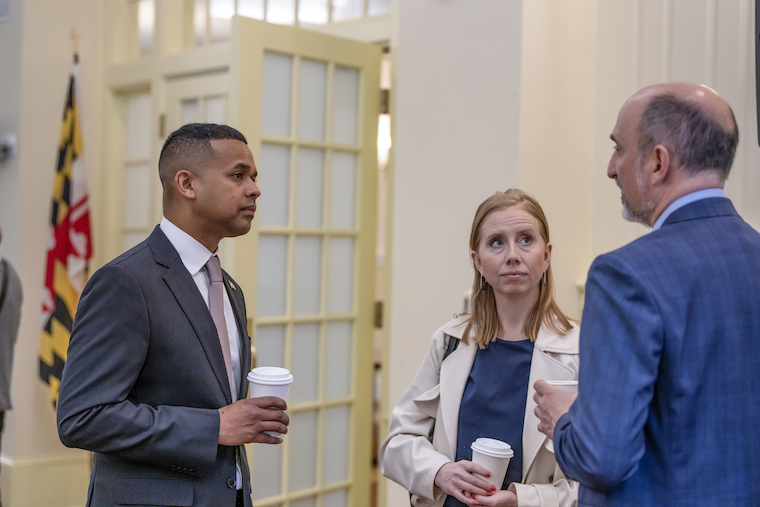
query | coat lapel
(546,368)
(186,293)
(455,371)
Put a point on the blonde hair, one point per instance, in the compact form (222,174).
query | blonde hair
(484,318)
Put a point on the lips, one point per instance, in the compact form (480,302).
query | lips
(251,209)
(511,275)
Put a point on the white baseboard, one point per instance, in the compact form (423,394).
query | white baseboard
(53,482)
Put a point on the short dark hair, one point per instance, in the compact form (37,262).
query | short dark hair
(692,136)
(191,144)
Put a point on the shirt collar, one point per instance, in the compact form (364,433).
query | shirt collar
(192,254)
(687,199)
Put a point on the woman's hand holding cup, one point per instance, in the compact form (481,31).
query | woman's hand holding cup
(458,479)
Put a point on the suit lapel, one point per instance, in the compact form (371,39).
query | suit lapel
(244,342)
(186,293)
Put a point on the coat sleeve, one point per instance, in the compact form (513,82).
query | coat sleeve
(406,456)
(560,492)
(600,441)
(96,411)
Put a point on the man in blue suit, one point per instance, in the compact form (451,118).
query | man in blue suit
(155,379)
(668,411)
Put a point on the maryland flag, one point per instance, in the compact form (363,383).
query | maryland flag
(69,245)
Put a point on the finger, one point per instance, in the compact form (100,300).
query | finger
(540,386)
(270,401)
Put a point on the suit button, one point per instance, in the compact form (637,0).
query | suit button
(231,482)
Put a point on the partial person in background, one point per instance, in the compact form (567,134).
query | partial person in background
(155,381)
(10,317)
(515,335)
(668,411)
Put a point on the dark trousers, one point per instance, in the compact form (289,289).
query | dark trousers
(238,503)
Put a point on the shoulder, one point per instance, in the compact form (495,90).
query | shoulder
(550,341)
(454,327)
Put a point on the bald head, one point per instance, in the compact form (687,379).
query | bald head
(692,121)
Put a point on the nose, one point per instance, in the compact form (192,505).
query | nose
(612,167)
(512,254)
(253,190)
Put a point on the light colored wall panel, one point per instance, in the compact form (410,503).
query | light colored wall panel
(556,132)
(456,124)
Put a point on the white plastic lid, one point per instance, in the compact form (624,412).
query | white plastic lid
(563,382)
(493,447)
(270,375)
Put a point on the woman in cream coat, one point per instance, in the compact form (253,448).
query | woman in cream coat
(513,302)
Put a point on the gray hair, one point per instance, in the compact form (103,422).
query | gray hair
(693,137)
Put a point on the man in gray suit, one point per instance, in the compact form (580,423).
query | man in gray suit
(10,316)
(155,379)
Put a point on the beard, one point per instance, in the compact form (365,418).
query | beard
(646,206)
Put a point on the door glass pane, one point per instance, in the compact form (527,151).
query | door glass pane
(312,93)
(137,194)
(336,438)
(277,77)
(274,181)
(200,17)
(266,479)
(215,109)
(307,267)
(342,190)
(347,9)
(309,181)
(270,346)
(302,433)
(345,105)
(282,12)
(340,275)
(220,14)
(130,239)
(138,127)
(338,360)
(251,8)
(146,23)
(336,498)
(306,502)
(190,111)
(305,363)
(376,7)
(273,257)
(312,11)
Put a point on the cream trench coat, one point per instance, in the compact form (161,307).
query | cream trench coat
(410,459)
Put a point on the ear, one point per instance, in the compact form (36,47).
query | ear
(547,256)
(661,160)
(476,260)
(184,182)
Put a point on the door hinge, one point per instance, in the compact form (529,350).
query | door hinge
(378,314)
(161,126)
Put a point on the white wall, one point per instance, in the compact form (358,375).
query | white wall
(32,453)
(456,142)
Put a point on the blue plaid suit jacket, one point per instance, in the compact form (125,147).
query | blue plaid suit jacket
(668,412)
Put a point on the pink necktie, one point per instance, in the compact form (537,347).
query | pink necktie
(216,306)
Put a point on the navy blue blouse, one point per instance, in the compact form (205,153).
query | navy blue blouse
(493,403)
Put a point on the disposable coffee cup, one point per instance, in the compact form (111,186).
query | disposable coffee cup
(494,456)
(270,381)
(571,386)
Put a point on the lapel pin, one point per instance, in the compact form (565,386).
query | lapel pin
(232,285)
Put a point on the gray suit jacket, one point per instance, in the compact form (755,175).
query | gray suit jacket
(143,381)
(10,316)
